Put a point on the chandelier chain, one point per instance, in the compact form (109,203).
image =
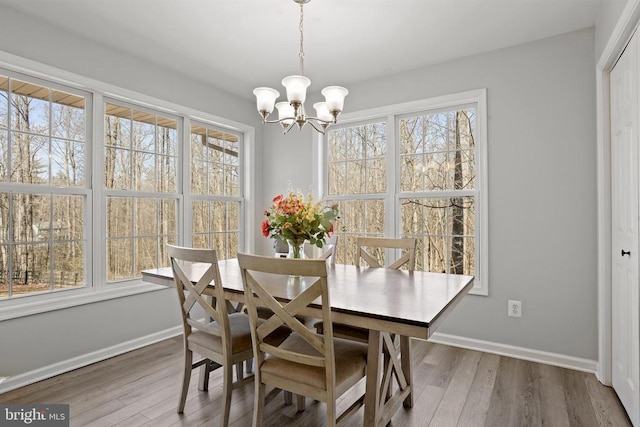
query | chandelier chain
(301,39)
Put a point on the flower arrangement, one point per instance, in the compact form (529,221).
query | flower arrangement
(295,220)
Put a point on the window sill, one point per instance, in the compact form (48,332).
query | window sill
(30,305)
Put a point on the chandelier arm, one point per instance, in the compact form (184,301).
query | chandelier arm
(279,120)
(324,122)
(287,129)
(313,125)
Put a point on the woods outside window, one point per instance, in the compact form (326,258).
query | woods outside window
(43,186)
(417,171)
(89,202)
(216,189)
(141,182)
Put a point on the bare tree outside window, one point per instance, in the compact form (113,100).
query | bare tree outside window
(216,189)
(436,198)
(437,165)
(357,182)
(141,181)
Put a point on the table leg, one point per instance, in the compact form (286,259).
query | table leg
(382,399)
(372,392)
(405,356)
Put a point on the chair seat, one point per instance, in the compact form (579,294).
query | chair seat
(265,313)
(240,335)
(350,358)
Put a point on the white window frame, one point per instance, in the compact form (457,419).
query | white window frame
(97,289)
(189,197)
(390,114)
(134,194)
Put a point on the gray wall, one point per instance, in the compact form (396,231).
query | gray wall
(49,45)
(34,342)
(542,195)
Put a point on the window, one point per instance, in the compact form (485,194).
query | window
(417,171)
(437,182)
(215,189)
(43,187)
(141,181)
(92,188)
(357,172)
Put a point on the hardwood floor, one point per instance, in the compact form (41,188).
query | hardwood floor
(453,387)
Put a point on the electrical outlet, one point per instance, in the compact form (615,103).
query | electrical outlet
(514,308)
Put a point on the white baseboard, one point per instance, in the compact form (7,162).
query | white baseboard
(560,360)
(21,380)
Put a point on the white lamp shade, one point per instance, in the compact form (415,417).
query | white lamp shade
(296,88)
(322,112)
(285,110)
(265,98)
(334,96)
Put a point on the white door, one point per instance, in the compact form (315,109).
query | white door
(625,121)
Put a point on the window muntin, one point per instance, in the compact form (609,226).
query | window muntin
(437,151)
(215,162)
(357,159)
(357,182)
(216,189)
(141,159)
(445,231)
(43,197)
(138,228)
(140,150)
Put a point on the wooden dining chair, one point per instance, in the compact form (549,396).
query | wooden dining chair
(223,338)
(329,250)
(318,366)
(370,250)
(366,245)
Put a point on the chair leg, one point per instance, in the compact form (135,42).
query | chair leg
(287,397)
(186,377)
(300,403)
(239,371)
(258,403)
(205,371)
(331,413)
(227,388)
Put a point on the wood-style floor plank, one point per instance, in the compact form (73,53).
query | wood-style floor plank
(474,412)
(503,403)
(452,387)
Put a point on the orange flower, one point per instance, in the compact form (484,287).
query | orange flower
(294,217)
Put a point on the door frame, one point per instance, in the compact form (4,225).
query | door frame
(620,36)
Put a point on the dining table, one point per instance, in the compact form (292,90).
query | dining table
(393,305)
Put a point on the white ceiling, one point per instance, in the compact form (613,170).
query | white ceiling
(240,44)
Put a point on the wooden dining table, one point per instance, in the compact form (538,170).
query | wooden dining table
(394,305)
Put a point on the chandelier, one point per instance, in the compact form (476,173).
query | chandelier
(292,111)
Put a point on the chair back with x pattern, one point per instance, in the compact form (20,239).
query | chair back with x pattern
(408,257)
(190,295)
(330,249)
(256,272)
